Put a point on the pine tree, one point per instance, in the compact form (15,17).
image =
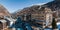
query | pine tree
(54,26)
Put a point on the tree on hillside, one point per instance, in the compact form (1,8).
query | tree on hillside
(54,26)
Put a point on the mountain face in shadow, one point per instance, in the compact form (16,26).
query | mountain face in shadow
(54,5)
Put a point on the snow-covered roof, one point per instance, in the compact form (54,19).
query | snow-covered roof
(3,21)
(10,19)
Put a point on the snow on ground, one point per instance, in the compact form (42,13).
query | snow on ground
(58,23)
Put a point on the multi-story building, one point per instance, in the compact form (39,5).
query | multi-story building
(42,14)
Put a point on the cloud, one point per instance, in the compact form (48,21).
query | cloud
(39,4)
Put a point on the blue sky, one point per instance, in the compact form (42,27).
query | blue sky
(14,5)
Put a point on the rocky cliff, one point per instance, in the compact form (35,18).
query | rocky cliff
(3,11)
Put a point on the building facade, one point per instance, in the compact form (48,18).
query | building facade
(44,14)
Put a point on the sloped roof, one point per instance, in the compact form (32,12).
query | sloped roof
(3,21)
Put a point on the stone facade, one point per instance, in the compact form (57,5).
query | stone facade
(44,14)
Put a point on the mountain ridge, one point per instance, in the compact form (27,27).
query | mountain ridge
(3,11)
(53,5)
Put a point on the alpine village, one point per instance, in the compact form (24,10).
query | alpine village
(36,17)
